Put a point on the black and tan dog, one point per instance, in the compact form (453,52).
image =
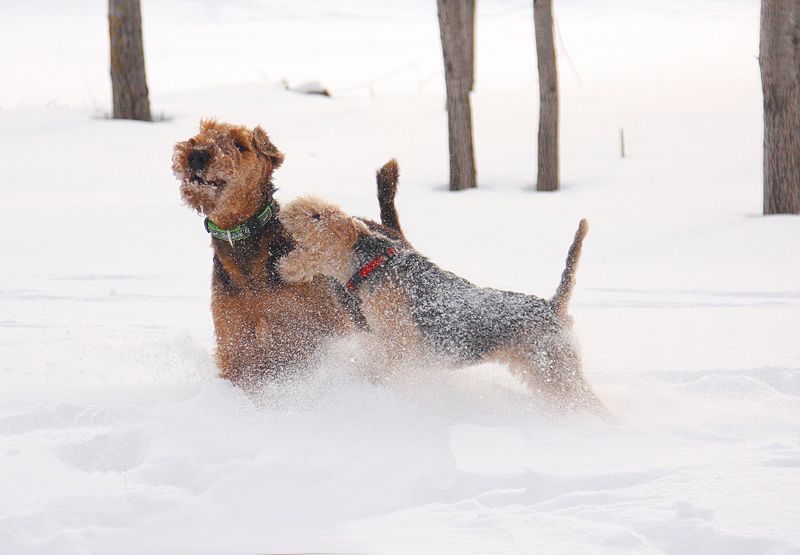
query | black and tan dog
(421,313)
(262,325)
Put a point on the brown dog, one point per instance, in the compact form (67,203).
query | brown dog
(419,312)
(263,326)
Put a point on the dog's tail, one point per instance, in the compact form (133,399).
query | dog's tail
(561,299)
(387,178)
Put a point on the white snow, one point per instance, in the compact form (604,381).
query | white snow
(117,437)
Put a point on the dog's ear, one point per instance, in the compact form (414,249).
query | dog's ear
(264,146)
(348,229)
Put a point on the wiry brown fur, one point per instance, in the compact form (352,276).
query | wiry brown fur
(387,178)
(237,180)
(262,325)
(322,249)
(543,351)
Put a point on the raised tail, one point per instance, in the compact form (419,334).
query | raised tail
(561,299)
(387,178)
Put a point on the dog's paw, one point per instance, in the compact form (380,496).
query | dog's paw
(292,269)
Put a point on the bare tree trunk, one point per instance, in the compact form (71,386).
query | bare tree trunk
(547,178)
(779,82)
(470,30)
(128,81)
(796,35)
(458,81)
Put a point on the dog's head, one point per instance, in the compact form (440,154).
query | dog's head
(225,171)
(325,238)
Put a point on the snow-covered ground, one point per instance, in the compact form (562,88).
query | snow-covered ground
(117,437)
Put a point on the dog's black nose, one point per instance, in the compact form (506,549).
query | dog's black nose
(198,159)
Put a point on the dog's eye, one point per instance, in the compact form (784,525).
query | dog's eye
(316,217)
(240,146)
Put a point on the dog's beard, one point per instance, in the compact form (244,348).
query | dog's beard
(200,195)
(202,179)
(200,189)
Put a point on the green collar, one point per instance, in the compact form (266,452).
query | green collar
(247,229)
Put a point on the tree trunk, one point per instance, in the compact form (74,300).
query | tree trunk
(469,23)
(547,175)
(128,81)
(779,83)
(458,81)
(796,35)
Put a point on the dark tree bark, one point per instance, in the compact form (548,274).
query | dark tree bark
(547,178)
(470,29)
(128,81)
(778,58)
(456,49)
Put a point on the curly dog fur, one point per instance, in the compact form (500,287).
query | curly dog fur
(262,324)
(422,312)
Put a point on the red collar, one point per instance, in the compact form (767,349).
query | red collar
(370,267)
